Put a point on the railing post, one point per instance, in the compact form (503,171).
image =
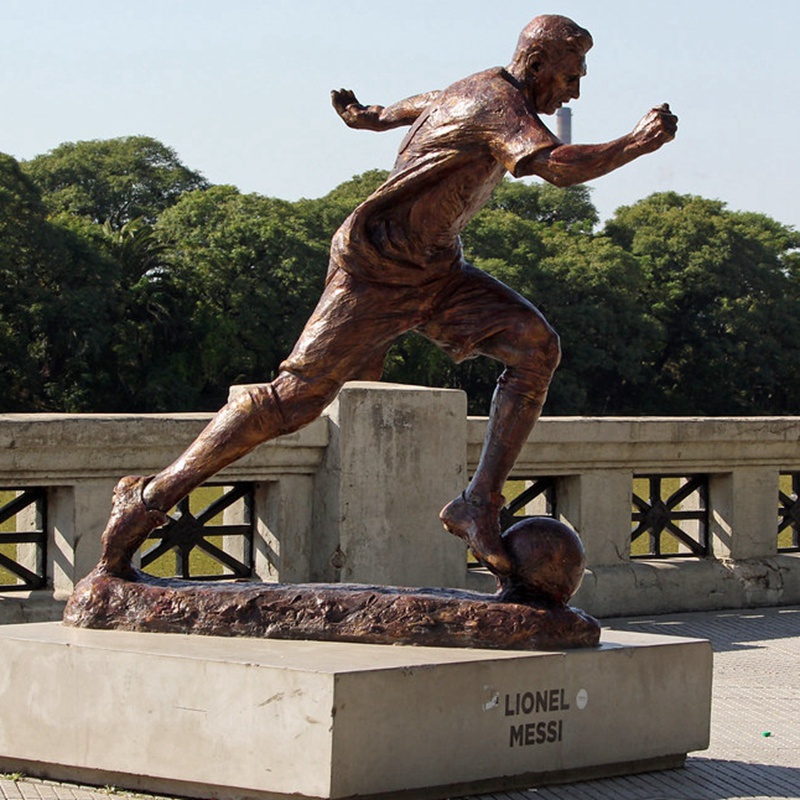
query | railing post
(31,556)
(76,516)
(598,506)
(283,529)
(236,514)
(396,455)
(744,513)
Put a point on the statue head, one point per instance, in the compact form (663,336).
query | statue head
(550,61)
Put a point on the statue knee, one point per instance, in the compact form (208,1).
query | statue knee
(536,355)
(538,347)
(550,351)
(300,400)
(257,410)
(274,409)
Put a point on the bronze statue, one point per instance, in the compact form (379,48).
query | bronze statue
(397,265)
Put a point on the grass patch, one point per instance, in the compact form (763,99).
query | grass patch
(787,539)
(9,550)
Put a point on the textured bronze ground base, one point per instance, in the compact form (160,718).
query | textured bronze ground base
(339,612)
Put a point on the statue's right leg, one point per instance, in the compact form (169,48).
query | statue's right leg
(479,315)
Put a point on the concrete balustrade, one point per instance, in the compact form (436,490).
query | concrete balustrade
(355,496)
(79,458)
(594,461)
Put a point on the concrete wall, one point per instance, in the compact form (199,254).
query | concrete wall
(355,496)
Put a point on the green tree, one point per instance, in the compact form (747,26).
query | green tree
(540,202)
(130,285)
(587,287)
(537,239)
(723,287)
(152,354)
(590,290)
(112,180)
(23,246)
(322,216)
(252,275)
(55,308)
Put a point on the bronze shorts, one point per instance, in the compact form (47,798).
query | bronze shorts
(466,312)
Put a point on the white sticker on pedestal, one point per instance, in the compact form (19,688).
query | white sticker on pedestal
(582,699)
(492,698)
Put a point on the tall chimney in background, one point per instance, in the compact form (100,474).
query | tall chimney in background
(564,124)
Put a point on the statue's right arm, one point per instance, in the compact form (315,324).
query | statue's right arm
(569,164)
(379,118)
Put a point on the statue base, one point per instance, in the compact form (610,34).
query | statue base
(336,612)
(207,716)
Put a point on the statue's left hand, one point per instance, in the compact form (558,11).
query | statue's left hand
(349,109)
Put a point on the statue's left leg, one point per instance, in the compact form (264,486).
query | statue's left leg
(346,338)
(493,320)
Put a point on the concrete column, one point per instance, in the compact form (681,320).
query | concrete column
(77,515)
(598,506)
(283,535)
(30,555)
(396,455)
(744,513)
(692,527)
(235,514)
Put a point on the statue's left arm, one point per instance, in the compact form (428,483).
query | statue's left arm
(379,118)
(568,164)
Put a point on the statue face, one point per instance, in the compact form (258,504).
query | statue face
(557,81)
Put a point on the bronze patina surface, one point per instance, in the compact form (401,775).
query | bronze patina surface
(529,612)
(338,612)
(397,265)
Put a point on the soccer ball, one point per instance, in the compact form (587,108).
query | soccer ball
(548,558)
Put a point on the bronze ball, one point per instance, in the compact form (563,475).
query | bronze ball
(548,558)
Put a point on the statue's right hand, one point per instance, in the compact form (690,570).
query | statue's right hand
(657,127)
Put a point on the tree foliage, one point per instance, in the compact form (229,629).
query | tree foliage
(251,276)
(54,310)
(723,288)
(112,180)
(130,284)
(537,239)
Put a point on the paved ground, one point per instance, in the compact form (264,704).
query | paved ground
(755,725)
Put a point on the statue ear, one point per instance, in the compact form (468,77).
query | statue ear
(534,60)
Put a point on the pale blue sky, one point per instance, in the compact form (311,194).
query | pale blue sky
(239,88)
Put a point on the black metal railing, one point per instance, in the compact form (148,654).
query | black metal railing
(197,543)
(536,488)
(25,515)
(789,513)
(669,516)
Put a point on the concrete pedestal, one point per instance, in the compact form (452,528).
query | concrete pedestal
(206,716)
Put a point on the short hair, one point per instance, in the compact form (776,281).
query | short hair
(552,30)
